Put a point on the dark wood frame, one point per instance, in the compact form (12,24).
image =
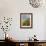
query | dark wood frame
(31,20)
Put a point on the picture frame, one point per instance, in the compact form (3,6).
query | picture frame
(26,20)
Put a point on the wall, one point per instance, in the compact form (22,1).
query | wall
(13,8)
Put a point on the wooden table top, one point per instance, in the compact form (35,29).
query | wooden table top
(26,41)
(42,41)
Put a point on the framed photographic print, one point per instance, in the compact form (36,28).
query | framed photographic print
(26,20)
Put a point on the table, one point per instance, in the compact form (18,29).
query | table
(27,42)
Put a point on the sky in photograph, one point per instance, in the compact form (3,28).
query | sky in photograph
(23,17)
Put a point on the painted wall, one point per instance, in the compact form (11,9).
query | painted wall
(13,8)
